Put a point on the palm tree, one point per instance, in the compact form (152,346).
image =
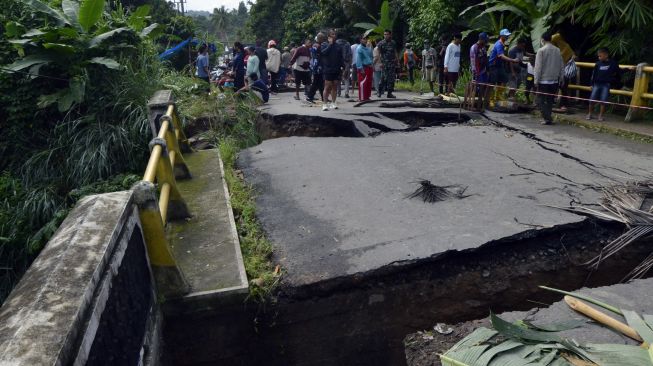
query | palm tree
(220,20)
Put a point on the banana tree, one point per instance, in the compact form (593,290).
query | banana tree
(531,18)
(385,21)
(73,42)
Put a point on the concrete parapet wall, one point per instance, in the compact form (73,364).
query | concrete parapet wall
(89,297)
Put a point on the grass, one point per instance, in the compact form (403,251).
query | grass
(232,127)
(423,86)
(604,128)
(256,248)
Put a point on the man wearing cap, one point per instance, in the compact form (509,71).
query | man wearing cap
(272,64)
(498,73)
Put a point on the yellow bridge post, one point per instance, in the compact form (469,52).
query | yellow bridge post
(639,89)
(165,165)
(170,281)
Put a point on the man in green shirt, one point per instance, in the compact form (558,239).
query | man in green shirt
(390,61)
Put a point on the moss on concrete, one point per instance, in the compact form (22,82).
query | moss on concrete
(605,128)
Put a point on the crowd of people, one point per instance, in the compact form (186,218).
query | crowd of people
(326,65)
(329,65)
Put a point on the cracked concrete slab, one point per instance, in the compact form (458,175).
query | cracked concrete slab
(337,206)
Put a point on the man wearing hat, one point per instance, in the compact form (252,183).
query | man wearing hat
(498,73)
(272,64)
(478,59)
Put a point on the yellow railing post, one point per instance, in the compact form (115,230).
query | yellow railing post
(169,279)
(639,89)
(171,138)
(165,165)
(172,205)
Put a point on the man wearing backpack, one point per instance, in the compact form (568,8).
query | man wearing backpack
(410,61)
(346,58)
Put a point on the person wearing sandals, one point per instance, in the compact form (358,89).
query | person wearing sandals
(605,71)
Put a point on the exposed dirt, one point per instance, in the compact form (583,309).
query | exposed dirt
(423,348)
(363,319)
(355,125)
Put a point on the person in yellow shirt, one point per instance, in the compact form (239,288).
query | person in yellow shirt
(567,54)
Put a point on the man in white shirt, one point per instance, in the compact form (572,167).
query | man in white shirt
(272,64)
(353,76)
(452,62)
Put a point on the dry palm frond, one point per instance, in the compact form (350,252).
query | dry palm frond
(624,203)
(430,193)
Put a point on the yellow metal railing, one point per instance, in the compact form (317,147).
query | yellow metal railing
(165,157)
(638,96)
(165,165)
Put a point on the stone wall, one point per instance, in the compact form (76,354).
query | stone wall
(89,297)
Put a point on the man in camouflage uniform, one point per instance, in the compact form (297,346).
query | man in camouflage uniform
(390,60)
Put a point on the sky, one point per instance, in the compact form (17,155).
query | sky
(208,5)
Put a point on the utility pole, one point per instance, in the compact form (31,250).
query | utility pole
(179,6)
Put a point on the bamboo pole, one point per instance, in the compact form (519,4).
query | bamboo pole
(602,318)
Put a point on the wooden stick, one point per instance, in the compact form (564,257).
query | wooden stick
(602,318)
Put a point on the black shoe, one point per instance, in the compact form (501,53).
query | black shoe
(391,96)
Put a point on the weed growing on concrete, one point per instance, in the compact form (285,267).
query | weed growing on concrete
(256,248)
(596,127)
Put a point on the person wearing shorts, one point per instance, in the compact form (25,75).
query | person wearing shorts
(605,71)
(498,74)
(301,61)
(452,62)
(332,65)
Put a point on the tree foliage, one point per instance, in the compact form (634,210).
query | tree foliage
(384,22)
(297,20)
(428,20)
(600,20)
(74,86)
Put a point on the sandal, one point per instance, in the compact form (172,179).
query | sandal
(588,117)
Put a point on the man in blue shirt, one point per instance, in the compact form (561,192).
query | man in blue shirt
(202,64)
(498,73)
